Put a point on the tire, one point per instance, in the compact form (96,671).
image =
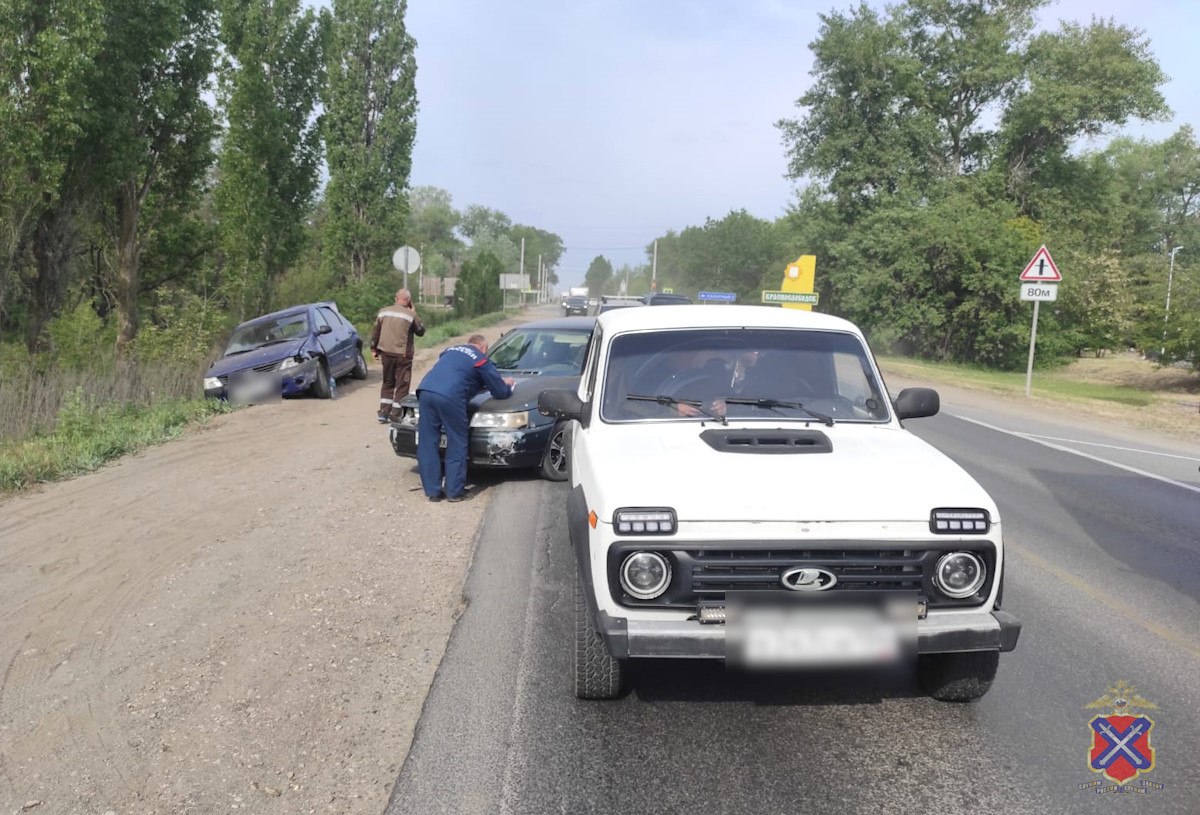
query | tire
(360,366)
(957,677)
(597,675)
(554,462)
(321,388)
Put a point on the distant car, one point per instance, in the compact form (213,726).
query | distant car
(667,300)
(297,350)
(510,433)
(575,306)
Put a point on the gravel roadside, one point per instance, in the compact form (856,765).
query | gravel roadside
(246,619)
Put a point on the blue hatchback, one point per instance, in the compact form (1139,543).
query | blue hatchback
(297,350)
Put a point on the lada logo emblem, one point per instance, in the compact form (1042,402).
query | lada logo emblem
(808,579)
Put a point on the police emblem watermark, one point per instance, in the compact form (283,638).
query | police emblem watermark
(1119,746)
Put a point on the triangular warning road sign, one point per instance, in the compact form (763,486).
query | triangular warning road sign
(1041,269)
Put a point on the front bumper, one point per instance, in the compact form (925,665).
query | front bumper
(292,382)
(689,639)
(487,447)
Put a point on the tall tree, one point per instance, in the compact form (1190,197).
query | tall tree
(47,52)
(271,151)
(369,126)
(1079,81)
(432,221)
(478,220)
(539,243)
(478,289)
(151,129)
(598,275)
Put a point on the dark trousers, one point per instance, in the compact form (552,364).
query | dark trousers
(441,414)
(397,378)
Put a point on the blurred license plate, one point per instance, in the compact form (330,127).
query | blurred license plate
(254,388)
(808,637)
(441,441)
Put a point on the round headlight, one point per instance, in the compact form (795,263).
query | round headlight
(645,575)
(959,574)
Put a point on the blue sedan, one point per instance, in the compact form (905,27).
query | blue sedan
(297,350)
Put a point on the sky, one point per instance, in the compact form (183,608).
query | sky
(611,121)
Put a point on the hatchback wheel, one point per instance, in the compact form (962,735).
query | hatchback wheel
(322,389)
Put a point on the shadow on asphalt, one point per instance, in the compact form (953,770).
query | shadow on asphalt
(710,681)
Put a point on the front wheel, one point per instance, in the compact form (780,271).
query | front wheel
(957,677)
(360,366)
(322,389)
(597,674)
(554,462)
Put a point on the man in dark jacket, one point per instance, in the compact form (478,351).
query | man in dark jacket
(460,372)
(392,340)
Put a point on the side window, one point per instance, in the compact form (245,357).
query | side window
(592,366)
(330,317)
(320,318)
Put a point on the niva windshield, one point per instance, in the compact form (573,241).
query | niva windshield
(751,374)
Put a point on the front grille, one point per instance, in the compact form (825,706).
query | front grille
(714,573)
(705,572)
(266,369)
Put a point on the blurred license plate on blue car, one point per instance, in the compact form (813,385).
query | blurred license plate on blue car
(254,388)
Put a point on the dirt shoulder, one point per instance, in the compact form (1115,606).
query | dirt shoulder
(245,619)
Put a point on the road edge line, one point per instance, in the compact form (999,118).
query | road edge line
(1030,438)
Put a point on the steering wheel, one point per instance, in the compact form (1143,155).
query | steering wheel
(677,383)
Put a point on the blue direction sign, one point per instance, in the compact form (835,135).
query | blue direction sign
(719,296)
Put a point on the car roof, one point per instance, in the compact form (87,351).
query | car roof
(561,324)
(708,316)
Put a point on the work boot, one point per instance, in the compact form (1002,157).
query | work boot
(383,416)
(395,414)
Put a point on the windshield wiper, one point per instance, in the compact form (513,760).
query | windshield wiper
(767,402)
(665,400)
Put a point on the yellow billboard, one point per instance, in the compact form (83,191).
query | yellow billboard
(800,277)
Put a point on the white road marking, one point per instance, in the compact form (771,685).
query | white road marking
(1061,448)
(1109,446)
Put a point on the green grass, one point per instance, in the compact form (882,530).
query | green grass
(1045,383)
(86,437)
(456,328)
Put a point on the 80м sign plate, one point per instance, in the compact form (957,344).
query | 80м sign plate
(1045,292)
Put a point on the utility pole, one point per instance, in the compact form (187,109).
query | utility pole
(1167,316)
(654,270)
(539,279)
(521,272)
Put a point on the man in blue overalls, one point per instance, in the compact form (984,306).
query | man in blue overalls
(460,372)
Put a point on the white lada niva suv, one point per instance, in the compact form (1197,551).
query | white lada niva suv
(742,488)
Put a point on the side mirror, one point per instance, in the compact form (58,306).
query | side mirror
(560,403)
(914,403)
(324,330)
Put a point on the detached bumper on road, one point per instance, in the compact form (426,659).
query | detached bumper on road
(487,447)
(979,631)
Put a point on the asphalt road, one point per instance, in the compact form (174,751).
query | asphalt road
(1104,570)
